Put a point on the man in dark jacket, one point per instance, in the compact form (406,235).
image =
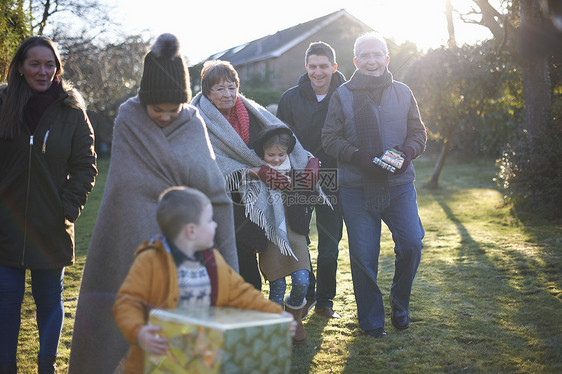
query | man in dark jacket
(303,108)
(369,114)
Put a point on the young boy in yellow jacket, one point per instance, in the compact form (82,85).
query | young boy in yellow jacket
(179,269)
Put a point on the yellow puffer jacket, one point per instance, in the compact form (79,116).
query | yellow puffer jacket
(152,282)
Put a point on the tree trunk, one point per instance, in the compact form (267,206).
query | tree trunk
(535,74)
(536,87)
(433,182)
(452,42)
(527,46)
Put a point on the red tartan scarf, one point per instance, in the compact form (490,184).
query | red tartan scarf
(240,120)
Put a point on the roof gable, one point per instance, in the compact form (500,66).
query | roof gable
(276,44)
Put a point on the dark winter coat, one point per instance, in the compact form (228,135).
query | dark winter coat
(301,111)
(44,182)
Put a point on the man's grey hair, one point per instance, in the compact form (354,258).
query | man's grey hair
(367,37)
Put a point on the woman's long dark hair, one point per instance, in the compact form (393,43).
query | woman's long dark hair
(18,92)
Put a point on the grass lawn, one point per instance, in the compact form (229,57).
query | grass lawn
(487,296)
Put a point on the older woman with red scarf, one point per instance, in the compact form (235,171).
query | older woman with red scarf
(234,124)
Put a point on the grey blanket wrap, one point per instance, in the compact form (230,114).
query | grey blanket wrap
(145,160)
(264,206)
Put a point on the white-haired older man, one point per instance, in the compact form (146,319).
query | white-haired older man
(369,114)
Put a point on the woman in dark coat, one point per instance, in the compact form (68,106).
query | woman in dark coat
(47,169)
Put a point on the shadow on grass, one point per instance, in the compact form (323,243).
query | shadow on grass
(477,306)
(501,321)
(547,239)
(303,355)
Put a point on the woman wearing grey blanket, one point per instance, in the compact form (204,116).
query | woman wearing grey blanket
(234,123)
(159,141)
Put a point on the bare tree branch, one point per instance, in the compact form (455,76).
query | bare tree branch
(498,24)
(44,11)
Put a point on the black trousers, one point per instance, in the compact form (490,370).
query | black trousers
(248,265)
(329,224)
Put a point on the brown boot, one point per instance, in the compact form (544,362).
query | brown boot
(300,334)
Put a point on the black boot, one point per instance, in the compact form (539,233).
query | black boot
(47,365)
(9,368)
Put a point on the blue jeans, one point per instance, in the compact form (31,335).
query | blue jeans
(46,287)
(329,224)
(299,281)
(364,233)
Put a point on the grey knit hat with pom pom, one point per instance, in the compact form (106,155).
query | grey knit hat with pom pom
(165,78)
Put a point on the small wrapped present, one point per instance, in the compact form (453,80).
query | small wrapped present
(393,157)
(221,340)
(384,165)
(391,160)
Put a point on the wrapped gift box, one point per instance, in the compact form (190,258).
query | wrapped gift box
(384,165)
(222,340)
(391,160)
(393,157)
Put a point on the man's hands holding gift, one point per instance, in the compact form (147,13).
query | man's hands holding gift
(364,159)
(409,154)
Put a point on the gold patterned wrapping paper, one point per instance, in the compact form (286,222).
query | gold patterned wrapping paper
(221,340)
